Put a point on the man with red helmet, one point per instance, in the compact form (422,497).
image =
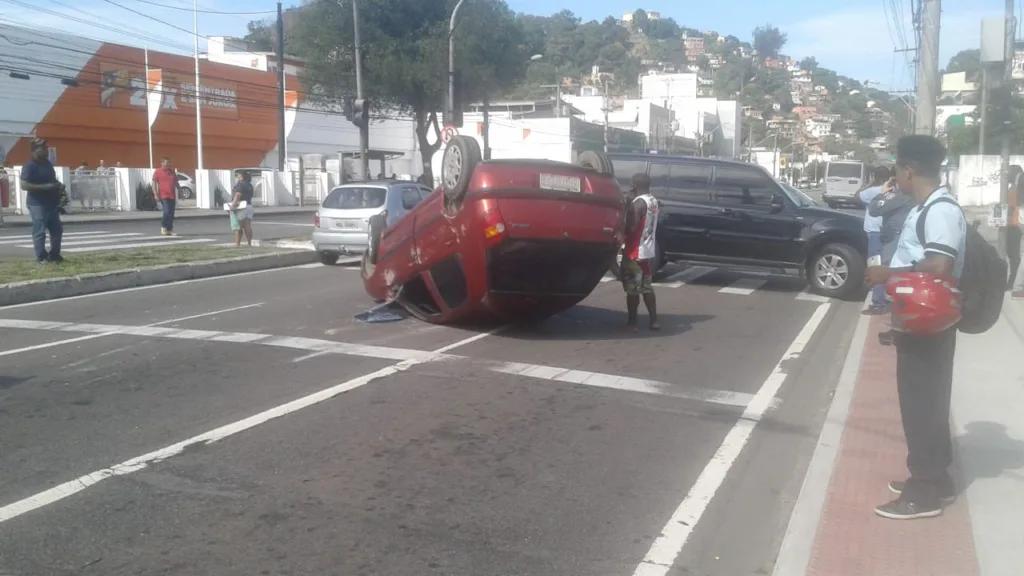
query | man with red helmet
(925,346)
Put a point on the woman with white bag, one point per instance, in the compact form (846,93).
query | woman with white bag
(240,208)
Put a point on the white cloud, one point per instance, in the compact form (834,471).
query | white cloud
(857,42)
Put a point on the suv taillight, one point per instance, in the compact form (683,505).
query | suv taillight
(316,220)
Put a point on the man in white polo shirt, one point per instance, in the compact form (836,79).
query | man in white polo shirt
(873,228)
(924,364)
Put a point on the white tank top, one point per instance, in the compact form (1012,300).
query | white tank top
(647,248)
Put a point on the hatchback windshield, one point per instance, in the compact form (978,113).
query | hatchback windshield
(355,198)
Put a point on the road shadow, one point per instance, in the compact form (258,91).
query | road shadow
(987,451)
(584,322)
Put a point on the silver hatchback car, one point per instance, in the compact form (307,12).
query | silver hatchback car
(341,226)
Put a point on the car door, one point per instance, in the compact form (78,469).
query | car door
(398,239)
(745,226)
(682,190)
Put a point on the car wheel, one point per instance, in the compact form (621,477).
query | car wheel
(186,193)
(328,259)
(836,271)
(373,240)
(596,161)
(460,158)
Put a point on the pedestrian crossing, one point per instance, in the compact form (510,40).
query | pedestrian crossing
(731,281)
(95,241)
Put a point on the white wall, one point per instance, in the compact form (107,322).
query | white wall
(668,86)
(730,115)
(976,181)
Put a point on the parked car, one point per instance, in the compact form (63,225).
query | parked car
(186,187)
(734,214)
(842,181)
(342,224)
(516,240)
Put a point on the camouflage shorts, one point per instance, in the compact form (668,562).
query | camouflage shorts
(636,277)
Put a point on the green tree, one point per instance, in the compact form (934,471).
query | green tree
(260,36)
(965,61)
(405,63)
(640,20)
(768,41)
(810,64)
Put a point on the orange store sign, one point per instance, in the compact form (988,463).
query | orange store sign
(124,87)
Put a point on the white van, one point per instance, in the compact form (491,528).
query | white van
(842,181)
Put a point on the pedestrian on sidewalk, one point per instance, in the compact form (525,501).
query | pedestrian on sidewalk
(241,217)
(924,364)
(39,179)
(165,190)
(873,228)
(1014,235)
(639,252)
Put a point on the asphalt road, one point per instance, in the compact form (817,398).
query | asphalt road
(16,242)
(249,425)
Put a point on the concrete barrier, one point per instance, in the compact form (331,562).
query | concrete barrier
(50,289)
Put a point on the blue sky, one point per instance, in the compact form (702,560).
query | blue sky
(854,38)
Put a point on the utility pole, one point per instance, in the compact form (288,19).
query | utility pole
(282,135)
(1004,164)
(450,101)
(607,108)
(198,96)
(364,127)
(984,109)
(487,127)
(928,68)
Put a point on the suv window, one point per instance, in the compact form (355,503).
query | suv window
(681,182)
(410,197)
(743,187)
(625,169)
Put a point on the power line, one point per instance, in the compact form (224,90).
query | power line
(182,8)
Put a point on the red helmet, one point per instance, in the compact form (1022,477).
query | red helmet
(923,303)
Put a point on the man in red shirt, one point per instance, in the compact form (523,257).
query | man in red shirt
(165,189)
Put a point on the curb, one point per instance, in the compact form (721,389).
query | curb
(292,245)
(70,219)
(51,289)
(802,527)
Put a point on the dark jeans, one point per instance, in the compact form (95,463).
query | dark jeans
(875,249)
(924,381)
(46,218)
(167,222)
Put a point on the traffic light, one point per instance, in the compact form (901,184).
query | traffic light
(346,106)
(361,111)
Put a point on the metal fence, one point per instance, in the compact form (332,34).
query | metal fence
(93,191)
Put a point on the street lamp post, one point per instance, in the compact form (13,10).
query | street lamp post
(450,100)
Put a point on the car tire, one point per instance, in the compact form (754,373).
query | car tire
(836,271)
(376,225)
(328,259)
(186,193)
(461,156)
(596,161)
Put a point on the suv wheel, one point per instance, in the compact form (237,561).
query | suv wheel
(836,271)
(328,259)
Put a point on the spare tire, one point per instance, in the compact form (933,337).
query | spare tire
(460,158)
(376,225)
(597,161)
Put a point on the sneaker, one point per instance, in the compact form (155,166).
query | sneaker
(901,509)
(164,232)
(873,311)
(896,487)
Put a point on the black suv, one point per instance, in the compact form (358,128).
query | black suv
(735,214)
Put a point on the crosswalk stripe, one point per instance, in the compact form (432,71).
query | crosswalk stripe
(810,297)
(89,240)
(160,243)
(27,237)
(744,286)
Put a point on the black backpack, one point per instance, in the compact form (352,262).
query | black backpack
(983,281)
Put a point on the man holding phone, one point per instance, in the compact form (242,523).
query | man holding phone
(873,228)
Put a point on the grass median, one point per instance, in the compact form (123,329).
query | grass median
(81,263)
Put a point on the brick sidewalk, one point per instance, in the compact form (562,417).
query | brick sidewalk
(851,540)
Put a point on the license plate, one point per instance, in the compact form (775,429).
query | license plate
(560,183)
(348,224)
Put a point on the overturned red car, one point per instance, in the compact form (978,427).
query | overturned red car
(509,240)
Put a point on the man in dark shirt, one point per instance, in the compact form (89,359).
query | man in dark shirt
(39,179)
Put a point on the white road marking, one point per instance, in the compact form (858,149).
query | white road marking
(88,240)
(109,333)
(691,274)
(608,279)
(744,286)
(624,383)
(311,356)
(312,265)
(666,548)
(228,277)
(68,235)
(257,223)
(71,488)
(156,242)
(810,297)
